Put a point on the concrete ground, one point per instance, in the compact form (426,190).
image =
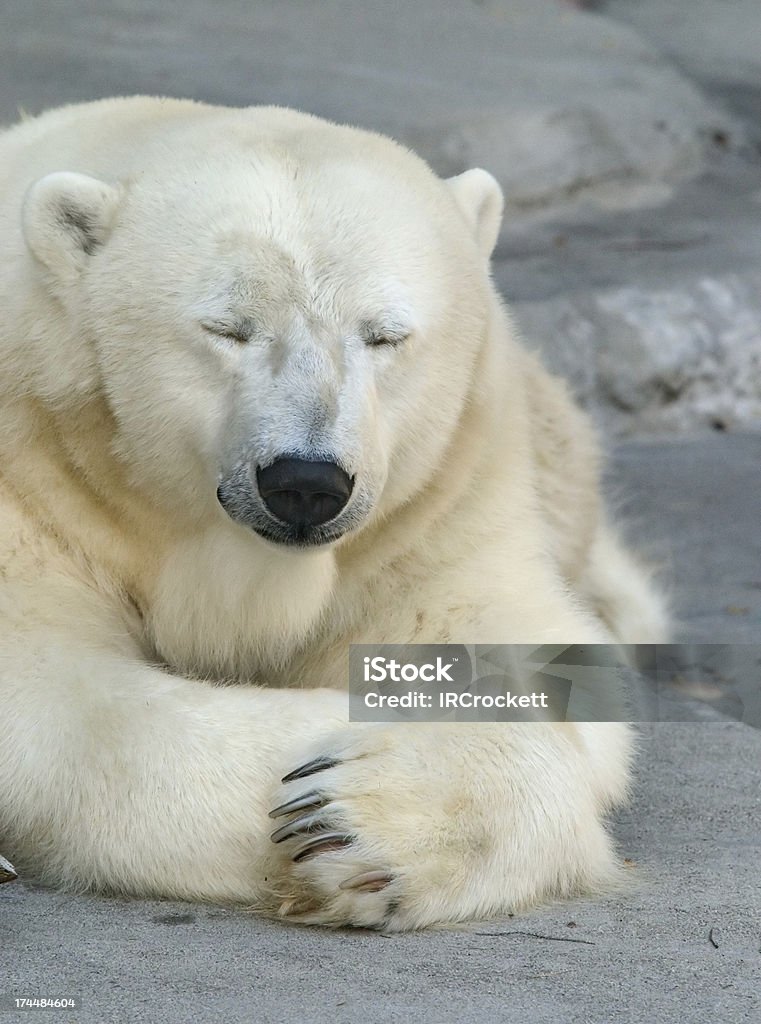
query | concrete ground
(627,139)
(681,949)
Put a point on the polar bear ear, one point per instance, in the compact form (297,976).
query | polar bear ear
(480,199)
(65,218)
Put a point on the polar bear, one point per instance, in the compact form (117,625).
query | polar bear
(260,400)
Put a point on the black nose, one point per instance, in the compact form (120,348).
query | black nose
(302,493)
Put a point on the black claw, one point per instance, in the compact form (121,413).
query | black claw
(292,828)
(322,844)
(7,871)
(368,881)
(319,764)
(312,799)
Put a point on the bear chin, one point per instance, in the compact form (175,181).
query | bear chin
(302,537)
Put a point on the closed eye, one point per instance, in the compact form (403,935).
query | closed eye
(227,331)
(392,339)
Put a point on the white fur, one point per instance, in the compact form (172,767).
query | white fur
(161,666)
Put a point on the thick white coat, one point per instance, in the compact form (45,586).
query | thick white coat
(136,235)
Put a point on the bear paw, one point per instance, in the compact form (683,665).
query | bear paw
(394,829)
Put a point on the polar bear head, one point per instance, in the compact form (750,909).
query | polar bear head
(282,319)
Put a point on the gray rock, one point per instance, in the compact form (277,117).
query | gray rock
(679,358)
(693,508)
(625,135)
(554,102)
(713,42)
